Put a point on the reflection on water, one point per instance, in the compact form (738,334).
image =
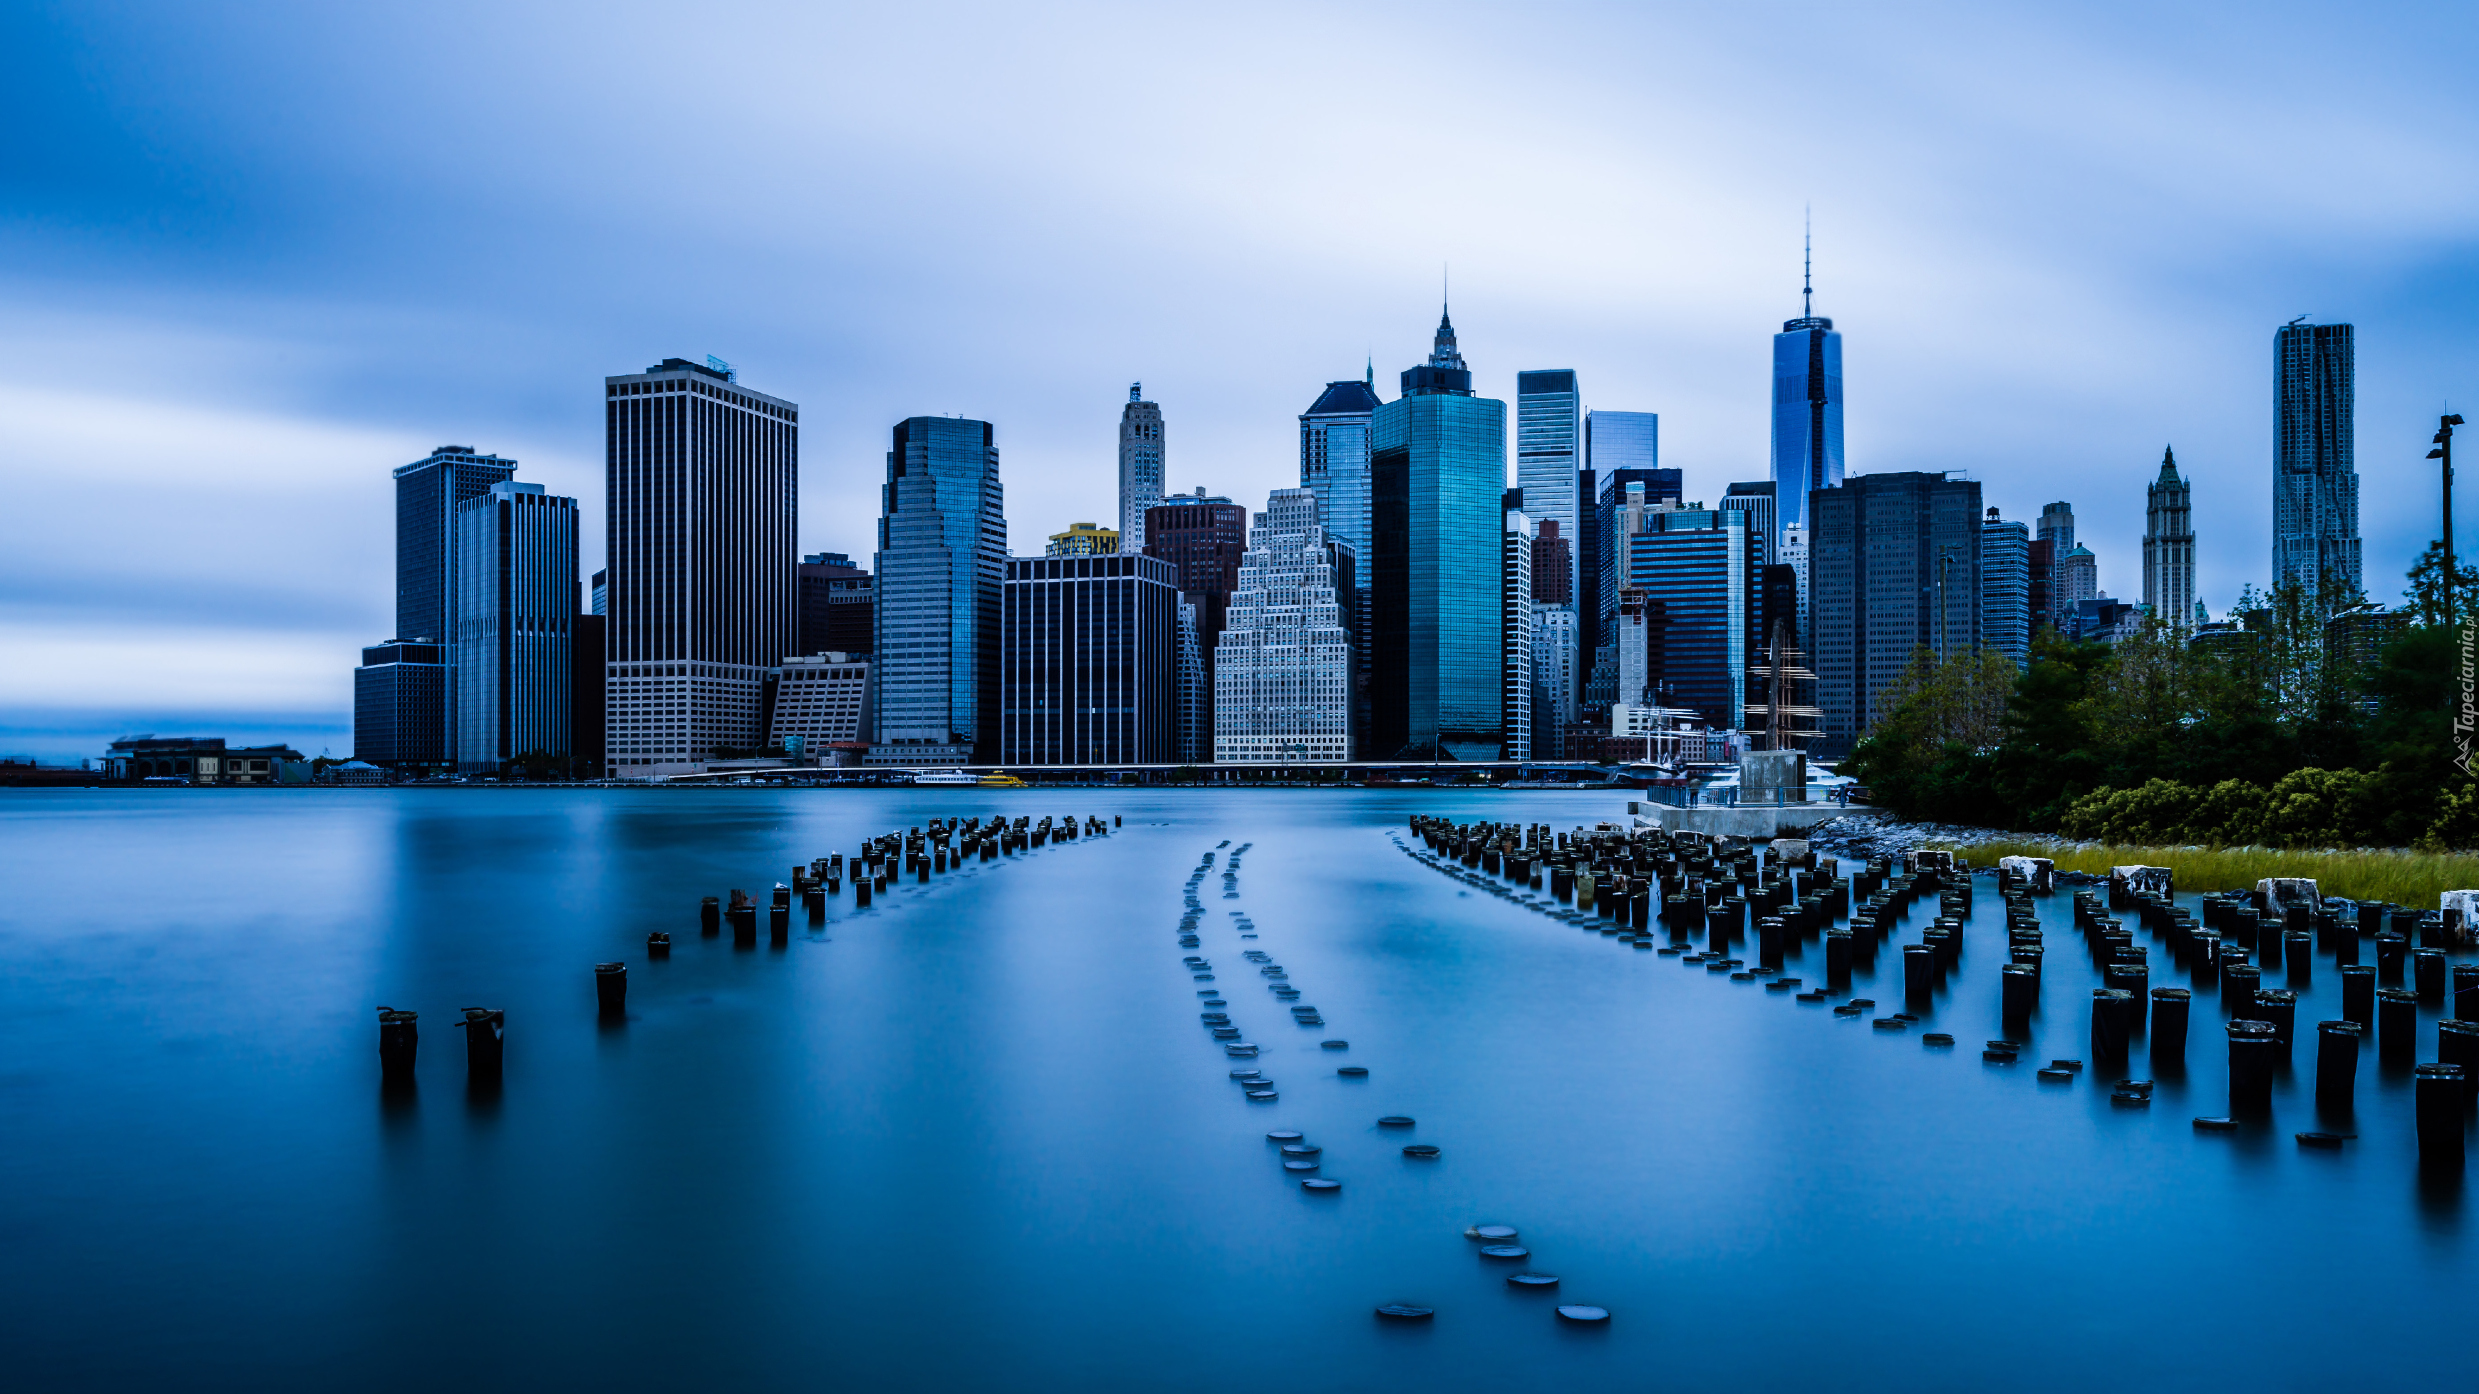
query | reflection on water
(978,1137)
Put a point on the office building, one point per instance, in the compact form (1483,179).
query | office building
(2315,539)
(589,754)
(1691,566)
(2040,566)
(2056,528)
(1614,441)
(1516,675)
(1636,651)
(1334,458)
(400,705)
(1549,453)
(1557,677)
(1437,480)
(821,702)
(1203,536)
(941,570)
(428,493)
(836,599)
(702,479)
(516,616)
(2073,580)
(1083,540)
(1794,554)
(1140,465)
(1284,664)
(1196,739)
(1756,501)
(2169,546)
(1807,410)
(1894,566)
(1087,665)
(599,602)
(1628,495)
(2005,587)
(1553,565)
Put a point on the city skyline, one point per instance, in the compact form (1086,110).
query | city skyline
(222,317)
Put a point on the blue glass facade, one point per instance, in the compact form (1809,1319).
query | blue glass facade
(1692,566)
(1807,416)
(941,574)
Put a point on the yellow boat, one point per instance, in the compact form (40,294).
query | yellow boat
(1003,781)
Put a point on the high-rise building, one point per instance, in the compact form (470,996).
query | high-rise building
(1553,564)
(589,750)
(1516,676)
(399,702)
(2056,528)
(941,571)
(428,492)
(516,613)
(2074,580)
(2005,587)
(1549,450)
(1557,679)
(1140,465)
(1894,566)
(1692,566)
(1629,493)
(1794,554)
(1756,500)
(1284,664)
(1807,410)
(835,600)
(1196,740)
(2315,539)
(1613,441)
(1088,666)
(1334,465)
(1203,536)
(702,478)
(1437,478)
(2169,547)
(2040,566)
(1083,540)
(821,701)
(600,604)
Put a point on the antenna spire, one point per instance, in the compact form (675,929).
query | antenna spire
(1807,262)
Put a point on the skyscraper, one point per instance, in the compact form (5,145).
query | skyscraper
(516,613)
(1203,536)
(1613,441)
(1807,409)
(2315,539)
(1692,567)
(399,702)
(1140,466)
(1549,450)
(1620,511)
(2005,587)
(2056,528)
(702,478)
(2169,547)
(428,493)
(1087,663)
(835,601)
(1757,501)
(1516,677)
(1556,677)
(941,570)
(1284,663)
(1884,551)
(1334,465)
(1437,477)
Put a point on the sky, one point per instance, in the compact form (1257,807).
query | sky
(254,256)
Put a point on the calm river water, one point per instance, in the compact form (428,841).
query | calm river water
(973,1138)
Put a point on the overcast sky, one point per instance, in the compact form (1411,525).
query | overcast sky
(252,257)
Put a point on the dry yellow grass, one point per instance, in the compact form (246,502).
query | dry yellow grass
(2404,878)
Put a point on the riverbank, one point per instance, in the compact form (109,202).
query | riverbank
(2414,879)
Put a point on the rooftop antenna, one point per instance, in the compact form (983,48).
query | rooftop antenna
(1807,262)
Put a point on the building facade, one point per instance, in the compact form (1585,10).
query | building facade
(1807,414)
(203,760)
(400,705)
(1088,662)
(702,478)
(821,701)
(2074,580)
(2315,539)
(941,570)
(1557,674)
(1334,465)
(1692,567)
(428,493)
(2005,587)
(1140,465)
(1614,441)
(1196,739)
(516,619)
(2169,546)
(835,599)
(1516,675)
(1284,663)
(1203,536)
(1083,540)
(1894,566)
(1549,452)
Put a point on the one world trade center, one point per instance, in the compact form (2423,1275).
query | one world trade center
(1807,411)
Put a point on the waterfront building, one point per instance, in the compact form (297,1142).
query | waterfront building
(1894,566)
(1087,662)
(1691,565)
(516,613)
(836,600)
(1203,536)
(1283,665)
(400,704)
(1516,676)
(821,701)
(1083,540)
(2005,587)
(428,493)
(1549,450)
(1140,465)
(1807,410)
(203,760)
(589,754)
(1556,677)
(2315,539)
(702,482)
(1437,478)
(941,570)
(1196,739)
(2169,546)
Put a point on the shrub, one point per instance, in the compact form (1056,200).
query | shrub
(2230,815)
(2316,808)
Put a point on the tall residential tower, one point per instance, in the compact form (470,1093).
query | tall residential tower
(2315,539)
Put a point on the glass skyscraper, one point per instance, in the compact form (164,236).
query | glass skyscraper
(1894,564)
(1691,566)
(1334,465)
(1437,484)
(2315,539)
(941,573)
(1549,449)
(1613,441)
(1807,414)
(516,597)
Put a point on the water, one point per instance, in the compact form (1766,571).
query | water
(975,1138)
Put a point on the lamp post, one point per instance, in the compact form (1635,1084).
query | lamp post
(2443,454)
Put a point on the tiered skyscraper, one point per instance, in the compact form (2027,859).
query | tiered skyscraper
(2315,539)
(1140,466)
(2169,546)
(941,573)
(1807,411)
(1437,480)
(1284,665)
(516,593)
(702,478)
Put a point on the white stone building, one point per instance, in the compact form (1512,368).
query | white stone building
(1282,671)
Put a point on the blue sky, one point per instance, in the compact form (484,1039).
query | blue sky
(254,256)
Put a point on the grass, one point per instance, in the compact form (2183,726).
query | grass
(2414,879)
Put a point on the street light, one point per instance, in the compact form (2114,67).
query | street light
(2443,453)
